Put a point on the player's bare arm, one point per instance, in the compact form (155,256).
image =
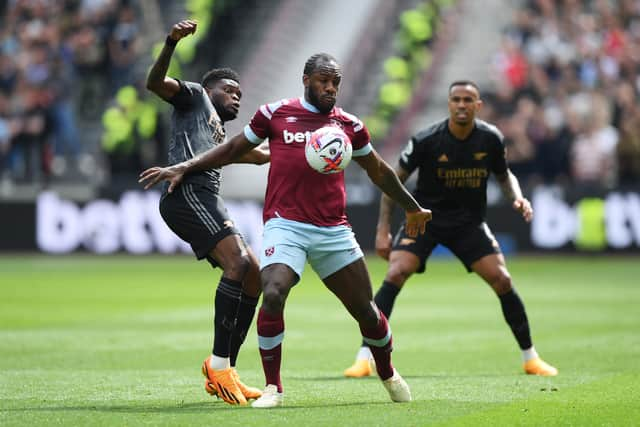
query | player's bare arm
(511,190)
(259,156)
(383,229)
(157,80)
(383,175)
(216,157)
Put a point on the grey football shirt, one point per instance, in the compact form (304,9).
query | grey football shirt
(195,128)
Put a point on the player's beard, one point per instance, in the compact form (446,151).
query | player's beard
(226,114)
(464,121)
(314,99)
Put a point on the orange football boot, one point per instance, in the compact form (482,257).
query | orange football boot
(247,392)
(221,383)
(360,368)
(538,366)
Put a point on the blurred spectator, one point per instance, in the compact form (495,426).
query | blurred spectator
(593,160)
(89,60)
(520,148)
(31,147)
(628,148)
(124,48)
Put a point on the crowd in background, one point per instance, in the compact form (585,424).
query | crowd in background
(567,79)
(59,63)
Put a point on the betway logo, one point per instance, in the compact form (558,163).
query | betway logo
(291,137)
(132,224)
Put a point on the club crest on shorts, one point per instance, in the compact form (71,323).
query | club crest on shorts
(269,251)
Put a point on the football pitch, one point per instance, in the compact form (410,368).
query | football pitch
(118,340)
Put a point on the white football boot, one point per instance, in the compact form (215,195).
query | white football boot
(270,398)
(398,388)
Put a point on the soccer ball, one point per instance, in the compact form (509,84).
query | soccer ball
(328,150)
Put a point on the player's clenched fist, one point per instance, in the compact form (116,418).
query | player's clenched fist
(182,29)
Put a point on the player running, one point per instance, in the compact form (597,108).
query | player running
(196,213)
(305,218)
(454,158)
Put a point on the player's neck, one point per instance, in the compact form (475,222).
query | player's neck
(461,132)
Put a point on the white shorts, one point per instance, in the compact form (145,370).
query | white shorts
(328,249)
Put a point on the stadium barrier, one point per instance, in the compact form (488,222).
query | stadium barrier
(132,224)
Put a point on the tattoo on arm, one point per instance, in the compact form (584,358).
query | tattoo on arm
(387,205)
(390,184)
(510,186)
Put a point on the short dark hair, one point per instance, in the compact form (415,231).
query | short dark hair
(464,83)
(216,74)
(312,63)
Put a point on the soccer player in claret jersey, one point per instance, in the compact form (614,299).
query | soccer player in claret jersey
(196,213)
(305,218)
(454,158)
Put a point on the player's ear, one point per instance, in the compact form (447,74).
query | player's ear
(479,104)
(305,80)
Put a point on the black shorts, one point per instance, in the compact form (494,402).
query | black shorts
(198,216)
(468,243)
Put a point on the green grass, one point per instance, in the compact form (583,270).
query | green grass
(119,341)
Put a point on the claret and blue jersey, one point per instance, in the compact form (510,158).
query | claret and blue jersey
(295,191)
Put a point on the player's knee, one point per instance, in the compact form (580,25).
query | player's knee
(273,297)
(398,276)
(238,267)
(399,272)
(502,284)
(251,284)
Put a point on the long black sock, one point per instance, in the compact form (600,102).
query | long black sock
(226,306)
(246,311)
(516,317)
(385,298)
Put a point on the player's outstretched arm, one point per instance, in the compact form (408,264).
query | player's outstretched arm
(511,190)
(382,175)
(213,158)
(259,156)
(157,80)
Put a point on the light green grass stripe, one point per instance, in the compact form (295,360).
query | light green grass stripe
(612,401)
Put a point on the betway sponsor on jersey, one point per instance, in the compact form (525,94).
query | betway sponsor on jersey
(291,137)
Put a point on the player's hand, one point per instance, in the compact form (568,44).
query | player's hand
(183,29)
(523,206)
(154,175)
(383,243)
(417,221)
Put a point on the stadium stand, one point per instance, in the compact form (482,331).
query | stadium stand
(583,82)
(59,63)
(565,93)
(560,80)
